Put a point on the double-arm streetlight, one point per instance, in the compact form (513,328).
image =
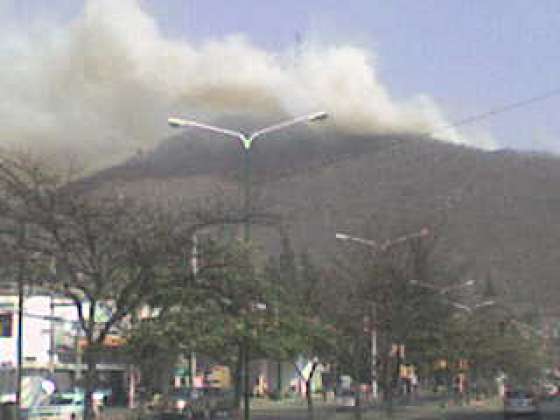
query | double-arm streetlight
(384,246)
(442,290)
(471,309)
(380,247)
(446,290)
(246,141)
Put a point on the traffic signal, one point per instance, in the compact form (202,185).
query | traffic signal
(397,350)
(502,327)
(406,371)
(440,364)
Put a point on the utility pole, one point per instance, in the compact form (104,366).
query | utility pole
(20,280)
(78,357)
(194,265)
(279,379)
(247,239)
(51,334)
(374,351)
(52,344)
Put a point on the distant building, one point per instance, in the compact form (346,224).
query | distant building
(52,346)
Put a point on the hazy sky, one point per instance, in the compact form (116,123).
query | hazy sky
(469,56)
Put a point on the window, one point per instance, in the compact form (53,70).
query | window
(5,325)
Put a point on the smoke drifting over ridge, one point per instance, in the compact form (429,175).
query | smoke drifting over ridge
(104,85)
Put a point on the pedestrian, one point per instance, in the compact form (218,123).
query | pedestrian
(414,385)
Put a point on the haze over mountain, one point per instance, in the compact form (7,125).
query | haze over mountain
(496,213)
(100,86)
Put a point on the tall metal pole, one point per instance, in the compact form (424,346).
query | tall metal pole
(52,334)
(279,379)
(247,238)
(19,342)
(78,357)
(20,279)
(247,192)
(194,265)
(374,351)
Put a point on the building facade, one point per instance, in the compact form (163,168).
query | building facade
(52,346)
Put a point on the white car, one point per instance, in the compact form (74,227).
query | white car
(520,402)
(61,406)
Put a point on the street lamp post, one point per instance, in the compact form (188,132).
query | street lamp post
(469,310)
(457,305)
(20,279)
(246,141)
(383,246)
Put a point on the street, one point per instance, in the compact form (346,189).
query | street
(549,411)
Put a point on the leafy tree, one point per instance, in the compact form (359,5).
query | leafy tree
(302,328)
(222,311)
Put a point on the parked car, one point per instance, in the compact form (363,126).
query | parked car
(60,406)
(196,403)
(178,404)
(520,402)
(345,399)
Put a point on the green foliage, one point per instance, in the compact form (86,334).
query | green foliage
(226,302)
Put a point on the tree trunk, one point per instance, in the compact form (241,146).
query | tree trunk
(386,372)
(356,388)
(238,378)
(89,383)
(308,393)
(309,398)
(396,382)
(387,386)
(358,406)
(246,383)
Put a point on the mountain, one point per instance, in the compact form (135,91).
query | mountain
(496,213)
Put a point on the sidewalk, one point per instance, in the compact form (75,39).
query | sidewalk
(427,408)
(291,409)
(119,413)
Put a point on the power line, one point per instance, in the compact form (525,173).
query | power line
(508,107)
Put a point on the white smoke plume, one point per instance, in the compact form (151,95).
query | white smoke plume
(103,86)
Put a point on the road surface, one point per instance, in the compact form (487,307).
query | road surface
(549,411)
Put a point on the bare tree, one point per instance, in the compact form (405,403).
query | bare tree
(95,249)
